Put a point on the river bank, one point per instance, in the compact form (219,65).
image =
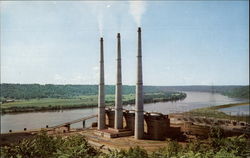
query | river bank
(214,112)
(39,119)
(87,101)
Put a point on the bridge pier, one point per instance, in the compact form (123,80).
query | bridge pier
(83,124)
(68,127)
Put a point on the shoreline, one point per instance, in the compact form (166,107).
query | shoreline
(60,108)
(229,105)
(215,113)
(43,109)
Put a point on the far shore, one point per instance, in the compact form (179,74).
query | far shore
(75,104)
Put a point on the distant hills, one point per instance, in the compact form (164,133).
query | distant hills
(28,91)
(240,92)
(231,91)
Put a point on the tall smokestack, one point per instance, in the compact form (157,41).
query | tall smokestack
(118,88)
(139,118)
(101,95)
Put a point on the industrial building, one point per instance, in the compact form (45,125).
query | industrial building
(111,121)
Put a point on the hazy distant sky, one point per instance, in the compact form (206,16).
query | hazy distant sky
(184,42)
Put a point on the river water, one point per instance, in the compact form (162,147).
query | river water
(241,110)
(34,120)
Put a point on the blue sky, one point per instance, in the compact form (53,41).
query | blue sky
(184,43)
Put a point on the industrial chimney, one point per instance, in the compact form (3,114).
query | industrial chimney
(139,118)
(118,88)
(101,95)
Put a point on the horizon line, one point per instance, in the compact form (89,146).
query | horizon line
(132,84)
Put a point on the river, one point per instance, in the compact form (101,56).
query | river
(241,110)
(34,120)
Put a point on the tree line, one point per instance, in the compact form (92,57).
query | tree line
(30,91)
(241,92)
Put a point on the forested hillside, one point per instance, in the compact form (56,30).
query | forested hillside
(242,92)
(29,91)
(203,88)
(231,91)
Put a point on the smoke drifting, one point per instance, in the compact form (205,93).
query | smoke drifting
(99,9)
(136,9)
(100,23)
(113,13)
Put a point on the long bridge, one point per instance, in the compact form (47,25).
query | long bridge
(74,121)
(66,126)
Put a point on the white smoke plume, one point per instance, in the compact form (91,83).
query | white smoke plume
(100,23)
(136,9)
(99,9)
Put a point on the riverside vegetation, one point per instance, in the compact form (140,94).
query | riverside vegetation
(213,112)
(34,97)
(76,146)
(84,101)
(31,91)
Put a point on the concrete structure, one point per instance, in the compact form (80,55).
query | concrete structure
(130,120)
(139,118)
(83,124)
(101,95)
(112,132)
(110,118)
(158,125)
(118,88)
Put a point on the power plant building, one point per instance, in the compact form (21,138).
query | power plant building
(110,121)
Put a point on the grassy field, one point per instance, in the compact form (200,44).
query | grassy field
(213,112)
(81,102)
